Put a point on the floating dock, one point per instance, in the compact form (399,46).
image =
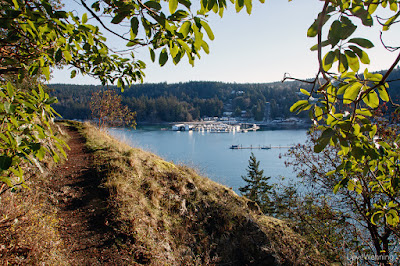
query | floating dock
(214,127)
(259,147)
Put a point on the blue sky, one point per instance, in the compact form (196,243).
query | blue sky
(258,48)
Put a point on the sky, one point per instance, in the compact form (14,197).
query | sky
(255,48)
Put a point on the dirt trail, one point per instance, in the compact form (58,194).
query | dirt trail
(82,208)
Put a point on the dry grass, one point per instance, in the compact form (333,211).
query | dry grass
(28,223)
(173,216)
(29,230)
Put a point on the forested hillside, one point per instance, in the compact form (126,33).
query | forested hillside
(189,101)
(185,101)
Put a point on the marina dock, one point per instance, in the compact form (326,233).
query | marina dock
(259,147)
(214,127)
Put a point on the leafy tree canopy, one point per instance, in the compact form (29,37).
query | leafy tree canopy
(38,35)
(341,104)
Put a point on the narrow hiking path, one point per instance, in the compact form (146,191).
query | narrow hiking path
(82,208)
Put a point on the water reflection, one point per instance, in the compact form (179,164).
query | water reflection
(209,153)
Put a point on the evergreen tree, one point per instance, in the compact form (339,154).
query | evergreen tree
(257,188)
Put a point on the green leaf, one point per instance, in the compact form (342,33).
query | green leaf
(84,18)
(371,99)
(390,21)
(376,217)
(46,72)
(383,93)
(337,187)
(5,162)
(16,5)
(134,26)
(239,5)
(305,92)
(361,54)
(248,5)
(96,6)
(41,153)
(334,33)
(328,60)
(9,108)
(67,55)
(173,49)
(152,55)
(352,60)
(207,29)
(58,55)
(186,3)
(372,7)
(211,4)
(359,11)
(177,58)
(394,6)
(299,105)
(205,47)
(330,173)
(318,112)
(163,57)
(351,185)
(60,149)
(364,112)
(153,5)
(321,144)
(351,93)
(51,100)
(131,44)
(185,46)
(73,74)
(347,29)
(118,18)
(198,37)
(343,64)
(313,29)
(185,28)
(10,89)
(179,15)
(365,43)
(120,83)
(323,44)
(173,5)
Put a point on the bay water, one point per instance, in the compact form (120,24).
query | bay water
(210,155)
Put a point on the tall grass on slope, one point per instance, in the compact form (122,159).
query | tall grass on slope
(165,214)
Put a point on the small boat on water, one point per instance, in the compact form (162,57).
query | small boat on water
(237,147)
(266,147)
(234,147)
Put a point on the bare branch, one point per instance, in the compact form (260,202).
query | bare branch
(387,47)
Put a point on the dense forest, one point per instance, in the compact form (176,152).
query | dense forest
(189,101)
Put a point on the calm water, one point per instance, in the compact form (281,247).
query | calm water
(209,153)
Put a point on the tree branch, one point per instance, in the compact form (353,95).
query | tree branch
(320,25)
(101,22)
(6,70)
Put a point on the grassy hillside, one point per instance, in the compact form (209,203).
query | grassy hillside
(169,214)
(158,213)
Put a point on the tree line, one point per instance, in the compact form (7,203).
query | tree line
(188,101)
